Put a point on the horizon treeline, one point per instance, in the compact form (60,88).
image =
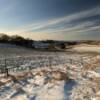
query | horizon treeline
(15,39)
(27,42)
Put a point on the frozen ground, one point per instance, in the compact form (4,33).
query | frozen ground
(62,78)
(87,48)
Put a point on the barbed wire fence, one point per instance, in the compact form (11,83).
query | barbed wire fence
(21,63)
(8,65)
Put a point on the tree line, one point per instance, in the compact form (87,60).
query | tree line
(16,40)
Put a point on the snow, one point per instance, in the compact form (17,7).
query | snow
(93,74)
(97,70)
(42,92)
(87,48)
(62,79)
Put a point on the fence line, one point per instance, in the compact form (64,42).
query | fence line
(8,65)
(13,64)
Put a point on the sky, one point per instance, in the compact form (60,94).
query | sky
(51,19)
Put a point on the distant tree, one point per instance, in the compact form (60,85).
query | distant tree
(63,46)
(17,38)
(50,41)
(4,38)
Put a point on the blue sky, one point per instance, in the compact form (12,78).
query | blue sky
(51,19)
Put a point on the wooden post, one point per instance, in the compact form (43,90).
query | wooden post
(6,69)
(50,62)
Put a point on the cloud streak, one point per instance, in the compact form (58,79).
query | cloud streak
(63,25)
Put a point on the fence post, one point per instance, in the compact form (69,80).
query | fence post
(6,69)
(50,62)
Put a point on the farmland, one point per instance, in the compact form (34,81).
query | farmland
(42,75)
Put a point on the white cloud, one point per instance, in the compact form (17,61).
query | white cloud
(44,26)
(69,18)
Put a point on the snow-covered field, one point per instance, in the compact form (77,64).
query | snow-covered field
(87,48)
(50,76)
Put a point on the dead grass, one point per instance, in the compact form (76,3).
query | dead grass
(58,75)
(5,80)
(92,65)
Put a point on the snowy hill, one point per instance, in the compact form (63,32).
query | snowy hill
(64,81)
(41,75)
(86,48)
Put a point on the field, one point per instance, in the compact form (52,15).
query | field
(26,74)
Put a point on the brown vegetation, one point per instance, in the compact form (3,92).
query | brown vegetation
(58,75)
(92,65)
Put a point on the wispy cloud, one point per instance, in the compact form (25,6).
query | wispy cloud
(62,25)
